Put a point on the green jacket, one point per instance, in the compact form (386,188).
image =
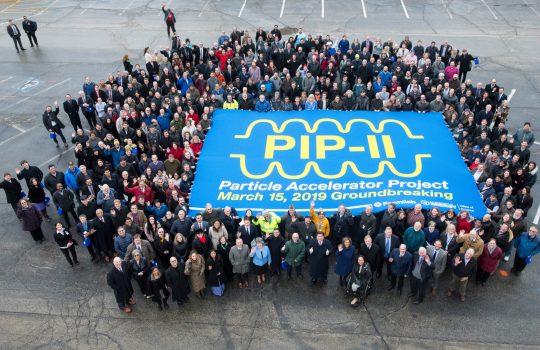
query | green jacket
(294,252)
(413,240)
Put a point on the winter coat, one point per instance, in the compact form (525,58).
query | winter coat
(344,261)
(240,259)
(30,217)
(318,259)
(294,252)
(216,276)
(195,271)
(177,281)
(489,262)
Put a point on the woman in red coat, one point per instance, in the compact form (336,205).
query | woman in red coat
(488,261)
(463,222)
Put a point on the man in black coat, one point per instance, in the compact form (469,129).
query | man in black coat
(371,253)
(28,172)
(248,231)
(386,242)
(464,64)
(13,189)
(343,222)
(64,199)
(178,281)
(102,233)
(53,124)
(119,279)
(420,274)
(53,178)
(170,20)
(86,104)
(319,249)
(400,260)
(30,28)
(72,110)
(15,34)
(464,266)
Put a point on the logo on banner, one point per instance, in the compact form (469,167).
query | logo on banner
(312,150)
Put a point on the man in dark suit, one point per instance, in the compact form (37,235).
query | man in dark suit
(86,104)
(420,274)
(492,89)
(83,229)
(464,266)
(500,97)
(119,279)
(72,110)
(371,252)
(438,258)
(247,231)
(200,53)
(368,44)
(30,28)
(445,51)
(386,242)
(103,232)
(15,34)
(400,260)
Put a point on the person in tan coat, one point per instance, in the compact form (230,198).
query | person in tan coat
(471,240)
(195,270)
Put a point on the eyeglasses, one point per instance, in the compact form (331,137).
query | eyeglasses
(136,254)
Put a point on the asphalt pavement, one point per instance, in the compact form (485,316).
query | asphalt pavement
(44,304)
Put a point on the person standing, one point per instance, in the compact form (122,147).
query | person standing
(400,260)
(64,200)
(420,274)
(36,195)
(387,242)
(275,243)
(239,256)
(195,267)
(31,220)
(83,229)
(86,104)
(344,260)
(294,250)
(527,244)
(438,258)
(53,124)
(72,110)
(464,266)
(119,280)
(177,281)
(170,20)
(216,281)
(319,250)
(28,172)
(261,259)
(158,286)
(488,261)
(15,34)
(140,270)
(13,190)
(53,178)
(65,241)
(30,28)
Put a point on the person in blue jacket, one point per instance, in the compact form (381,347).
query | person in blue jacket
(344,260)
(261,259)
(344,45)
(527,244)
(401,262)
(70,177)
(263,105)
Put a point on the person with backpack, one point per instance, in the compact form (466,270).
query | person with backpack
(170,20)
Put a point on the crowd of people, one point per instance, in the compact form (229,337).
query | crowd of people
(126,194)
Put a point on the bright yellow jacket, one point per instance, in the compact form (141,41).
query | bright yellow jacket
(268,226)
(230,105)
(322,226)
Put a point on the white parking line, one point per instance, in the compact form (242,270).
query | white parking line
(37,14)
(3,81)
(48,161)
(15,126)
(322,8)
(15,136)
(537,216)
(445,5)
(490,10)
(532,8)
(83,11)
(364,9)
(204,7)
(404,9)
(34,95)
(242,8)
(127,7)
(282,8)
(511,95)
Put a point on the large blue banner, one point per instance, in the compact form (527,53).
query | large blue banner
(270,160)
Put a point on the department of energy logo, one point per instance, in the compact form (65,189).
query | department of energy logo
(328,149)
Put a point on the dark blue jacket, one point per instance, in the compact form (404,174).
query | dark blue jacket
(400,265)
(527,246)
